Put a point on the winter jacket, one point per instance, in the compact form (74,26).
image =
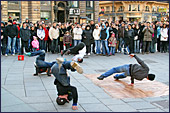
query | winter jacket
(40,33)
(154,36)
(158,31)
(33,33)
(112,42)
(96,34)
(77,33)
(12,31)
(87,36)
(147,34)
(18,32)
(164,34)
(113,30)
(67,39)
(35,44)
(141,34)
(25,34)
(54,33)
(139,72)
(121,32)
(46,34)
(104,34)
(131,34)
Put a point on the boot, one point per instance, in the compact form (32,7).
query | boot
(100,77)
(76,66)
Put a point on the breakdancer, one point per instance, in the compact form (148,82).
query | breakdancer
(135,71)
(79,51)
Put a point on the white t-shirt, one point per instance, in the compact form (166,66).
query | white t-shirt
(80,55)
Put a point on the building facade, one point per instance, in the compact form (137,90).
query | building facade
(49,11)
(134,10)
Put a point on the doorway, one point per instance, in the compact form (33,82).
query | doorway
(61,16)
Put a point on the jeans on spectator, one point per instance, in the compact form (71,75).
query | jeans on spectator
(13,41)
(146,46)
(24,44)
(45,45)
(42,43)
(76,42)
(136,46)
(18,45)
(121,42)
(124,70)
(97,44)
(153,47)
(105,45)
(112,50)
(54,46)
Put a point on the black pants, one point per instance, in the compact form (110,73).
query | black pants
(49,45)
(158,44)
(146,46)
(77,48)
(131,45)
(4,46)
(88,48)
(24,44)
(68,46)
(163,46)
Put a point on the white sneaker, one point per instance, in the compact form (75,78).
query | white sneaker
(88,54)
(13,54)
(6,55)
(76,66)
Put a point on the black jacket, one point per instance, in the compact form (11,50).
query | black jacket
(33,33)
(113,30)
(139,72)
(25,34)
(131,34)
(12,31)
(154,39)
(87,37)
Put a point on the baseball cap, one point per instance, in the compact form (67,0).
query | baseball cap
(61,101)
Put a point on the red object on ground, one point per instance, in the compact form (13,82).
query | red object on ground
(20,57)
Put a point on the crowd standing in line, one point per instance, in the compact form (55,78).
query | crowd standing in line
(103,38)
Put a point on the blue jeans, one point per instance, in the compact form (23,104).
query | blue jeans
(119,69)
(112,50)
(76,42)
(153,47)
(18,46)
(105,45)
(136,46)
(13,41)
(97,43)
(42,44)
(54,45)
(40,60)
(121,43)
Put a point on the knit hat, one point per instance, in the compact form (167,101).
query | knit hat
(61,101)
(151,77)
(96,25)
(10,21)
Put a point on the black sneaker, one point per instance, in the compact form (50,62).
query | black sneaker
(115,78)
(100,77)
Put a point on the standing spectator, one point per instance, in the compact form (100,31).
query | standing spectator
(141,35)
(154,39)
(27,22)
(41,36)
(87,36)
(18,40)
(159,36)
(112,44)
(62,32)
(54,34)
(121,32)
(3,38)
(104,35)
(49,40)
(67,40)
(12,33)
(136,40)
(92,25)
(25,36)
(164,38)
(35,44)
(96,35)
(131,35)
(46,37)
(33,33)
(135,43)
(77,34)
(148,30)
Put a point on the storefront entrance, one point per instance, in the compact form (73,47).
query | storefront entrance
(61,16)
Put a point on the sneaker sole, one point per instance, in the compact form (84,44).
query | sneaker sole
(77,67)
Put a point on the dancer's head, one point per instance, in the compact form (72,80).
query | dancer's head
(80,60)
(151,77)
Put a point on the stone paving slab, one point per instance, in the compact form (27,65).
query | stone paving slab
(122,108)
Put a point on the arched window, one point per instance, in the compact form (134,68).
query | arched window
(60,4)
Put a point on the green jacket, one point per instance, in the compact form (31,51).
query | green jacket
(148,34)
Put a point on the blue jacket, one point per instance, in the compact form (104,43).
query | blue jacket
(107,31)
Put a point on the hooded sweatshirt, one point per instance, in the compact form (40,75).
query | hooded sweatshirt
(104,34)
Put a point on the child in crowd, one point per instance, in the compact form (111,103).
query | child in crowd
(67,40)
(112,44)
(35,44)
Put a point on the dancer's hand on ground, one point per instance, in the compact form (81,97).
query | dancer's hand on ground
(74,107)
(131,55)
(131,84)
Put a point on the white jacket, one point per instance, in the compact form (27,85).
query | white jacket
(54,33)
(80,55)
(41,33)
(77,33)
(164,34)
(96,34)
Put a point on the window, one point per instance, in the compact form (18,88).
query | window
(153,9)
(134,8)
(13,2)
(89,4)
(73,4)
(138,7)
(147,8)
(45,2)
(107,8)
(120,9)
(129,7)
(90,16)
(45,15)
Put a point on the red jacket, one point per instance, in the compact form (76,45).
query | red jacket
(18,32)
(46,33)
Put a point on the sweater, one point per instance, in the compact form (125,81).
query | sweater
(54,33)
(67,39)
(77,33)
(25,34)
(41,33)
(12,31)
(164,34)
(96,34)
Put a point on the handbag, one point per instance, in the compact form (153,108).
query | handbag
(136,37)
(61,39)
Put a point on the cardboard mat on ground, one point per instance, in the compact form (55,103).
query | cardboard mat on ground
(121,89)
